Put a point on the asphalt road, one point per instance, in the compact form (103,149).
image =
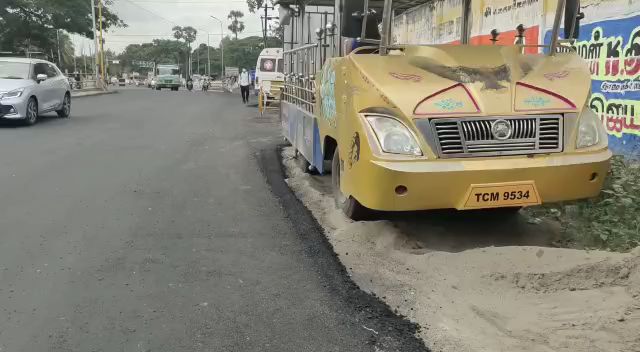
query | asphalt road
(159,221)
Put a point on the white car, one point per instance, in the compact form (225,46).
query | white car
(30,88)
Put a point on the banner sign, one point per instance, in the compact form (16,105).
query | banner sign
(612,50)
(148,64)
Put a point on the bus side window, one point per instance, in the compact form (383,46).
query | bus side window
(352,15)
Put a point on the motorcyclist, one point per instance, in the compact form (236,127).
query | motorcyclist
(72,82)
(190,84)
(205,84)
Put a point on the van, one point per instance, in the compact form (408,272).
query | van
(269,71)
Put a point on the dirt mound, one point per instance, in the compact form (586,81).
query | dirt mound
(582,277)
(482,283)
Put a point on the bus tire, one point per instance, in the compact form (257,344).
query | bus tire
(349,205)
(306,166)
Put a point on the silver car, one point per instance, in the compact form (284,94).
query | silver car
(30,87)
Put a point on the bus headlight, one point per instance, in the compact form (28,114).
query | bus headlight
(393,136)
(589,130)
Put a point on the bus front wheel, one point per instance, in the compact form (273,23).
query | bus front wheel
(349,205)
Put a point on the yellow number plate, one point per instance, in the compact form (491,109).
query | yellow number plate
(512,194)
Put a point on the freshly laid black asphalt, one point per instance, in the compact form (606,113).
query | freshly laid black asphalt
(160,221)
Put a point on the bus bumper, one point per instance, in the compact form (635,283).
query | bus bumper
(458,184)
(167,85)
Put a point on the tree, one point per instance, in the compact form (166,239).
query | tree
(67,52)
(241,53)
(244,52)
(30,25)
(254,5)
(236,25)
(188,34)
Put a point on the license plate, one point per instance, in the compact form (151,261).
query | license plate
(512,194)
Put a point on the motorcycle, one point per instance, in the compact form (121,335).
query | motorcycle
(190,85)
(205,86)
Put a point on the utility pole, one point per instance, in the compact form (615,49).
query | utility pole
(58,40)
(84,58)
(92,60)
(266,19)
(95,38)
(208,56)
(75,65)
(101,41)
(265,28)
(189,59)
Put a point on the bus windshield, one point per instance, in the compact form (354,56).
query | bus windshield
(167,71)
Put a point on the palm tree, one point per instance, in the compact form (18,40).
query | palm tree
(236,25)
(67,51)
(189,34)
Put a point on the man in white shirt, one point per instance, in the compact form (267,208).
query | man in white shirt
(244,85)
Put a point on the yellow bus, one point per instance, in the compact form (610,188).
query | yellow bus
(414,127)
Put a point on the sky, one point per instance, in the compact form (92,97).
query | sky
(150,19)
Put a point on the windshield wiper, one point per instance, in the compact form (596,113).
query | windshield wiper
(11,77)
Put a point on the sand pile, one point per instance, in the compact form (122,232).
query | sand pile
(482,283)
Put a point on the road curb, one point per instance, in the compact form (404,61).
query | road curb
(393,332)
(94,94)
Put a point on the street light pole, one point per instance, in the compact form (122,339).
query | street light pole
(208,56)
(221,47)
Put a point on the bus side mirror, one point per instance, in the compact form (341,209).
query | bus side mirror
(572,17)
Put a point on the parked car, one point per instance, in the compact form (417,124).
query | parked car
(31,87)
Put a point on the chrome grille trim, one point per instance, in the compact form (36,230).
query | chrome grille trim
(472,136)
